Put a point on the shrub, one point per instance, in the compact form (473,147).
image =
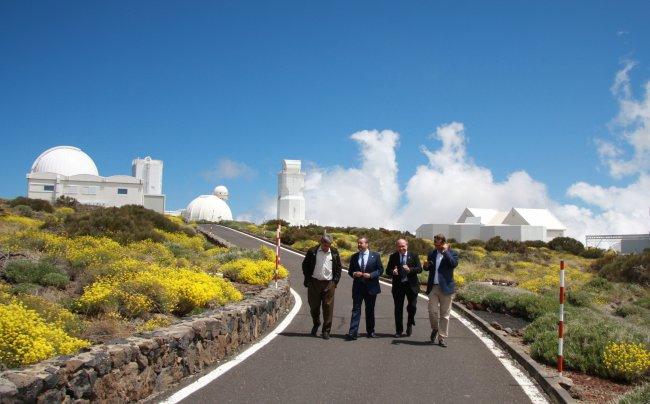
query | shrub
(26,338)
(35,204)
(627,268)
(476,243)
(42,273)
(626,361)
(66,201)
(593,252)
(566,244)
(24,210)
(495,244)
(640,395)
(155,323)
(253,272)
(273,224)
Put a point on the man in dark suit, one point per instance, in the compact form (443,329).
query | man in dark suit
(404,267)
(441,262)
(322,270)
(365,268)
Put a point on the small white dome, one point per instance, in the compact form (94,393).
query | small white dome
(221,192)
(64,160)
(207,207)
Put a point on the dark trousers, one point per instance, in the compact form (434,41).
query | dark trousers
(400,291)
(357,299)
(321,293)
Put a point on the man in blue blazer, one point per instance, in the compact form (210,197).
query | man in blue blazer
(365,268)
(440,287)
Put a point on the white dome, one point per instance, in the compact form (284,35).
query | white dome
(208,207)
(221,192)
(64,160)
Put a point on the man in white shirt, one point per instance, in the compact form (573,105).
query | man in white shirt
(440,287)
(322,270)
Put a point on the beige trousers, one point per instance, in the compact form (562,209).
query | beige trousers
(440,310)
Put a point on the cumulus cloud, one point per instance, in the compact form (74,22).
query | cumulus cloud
(227,169)
(367,195)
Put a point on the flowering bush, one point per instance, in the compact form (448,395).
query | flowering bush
(626,361)
(254,272)
(26,338)
(154,323)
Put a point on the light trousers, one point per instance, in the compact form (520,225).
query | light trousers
(440,310)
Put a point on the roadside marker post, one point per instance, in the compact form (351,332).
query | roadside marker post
(560,331)
(277,255)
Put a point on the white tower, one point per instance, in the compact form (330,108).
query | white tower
(291,202)
(150,171)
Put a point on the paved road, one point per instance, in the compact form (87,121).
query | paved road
(296,367)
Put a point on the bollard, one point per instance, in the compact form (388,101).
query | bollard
(560,330)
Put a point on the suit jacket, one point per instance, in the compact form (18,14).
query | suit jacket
(309,263)
(413,262)
(374,267)
(445,271)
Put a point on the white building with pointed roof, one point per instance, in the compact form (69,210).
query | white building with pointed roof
(68,171)
(519,224)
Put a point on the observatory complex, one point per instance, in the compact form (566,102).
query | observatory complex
(291,201)
(68,171)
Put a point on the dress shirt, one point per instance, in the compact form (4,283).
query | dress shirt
(323,267)
(364,255)
(439,257)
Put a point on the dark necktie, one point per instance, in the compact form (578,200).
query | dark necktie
(363,263)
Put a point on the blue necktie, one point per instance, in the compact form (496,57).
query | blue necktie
(363,264)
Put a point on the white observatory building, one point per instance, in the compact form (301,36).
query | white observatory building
(291,201)
(210,208)
(68,171)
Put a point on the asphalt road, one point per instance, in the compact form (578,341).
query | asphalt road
(296,367)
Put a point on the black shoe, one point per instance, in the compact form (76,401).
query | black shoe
(371,335)
(314,330)
(326,335)
(434,334)
(350,337)
(442,342)
(398,335)
(409,330)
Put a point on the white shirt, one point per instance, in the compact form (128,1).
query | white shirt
(323,268)
(439,257)
(365,256)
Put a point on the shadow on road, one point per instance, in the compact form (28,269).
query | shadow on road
(408,342)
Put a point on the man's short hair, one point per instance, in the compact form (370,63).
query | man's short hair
(402,239)
(439,238)
(326,238)
(362,238)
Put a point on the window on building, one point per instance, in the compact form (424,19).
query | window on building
(48,187)
(91,190)
(122,191)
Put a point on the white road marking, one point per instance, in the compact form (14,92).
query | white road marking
(527,384)
(213,375)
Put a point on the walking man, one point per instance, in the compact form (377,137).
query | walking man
(322,270)
(365,268)
(440,287)
(404,267)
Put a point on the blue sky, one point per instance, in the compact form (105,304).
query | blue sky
(195,83)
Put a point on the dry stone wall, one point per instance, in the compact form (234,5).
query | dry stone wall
(134,368)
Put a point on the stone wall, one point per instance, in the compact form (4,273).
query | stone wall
(137,367)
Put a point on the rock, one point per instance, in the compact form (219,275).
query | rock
(29,385)
(565,382)
(496,325)
(7,389)
(469,305)
(508,330)
(81,383)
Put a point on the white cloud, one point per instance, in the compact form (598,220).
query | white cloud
(363,196)
(227,169)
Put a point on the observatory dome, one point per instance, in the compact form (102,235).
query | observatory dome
(64,160)
(207,207)
(221,192)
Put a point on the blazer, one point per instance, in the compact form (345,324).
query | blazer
(445,271)
(413,262)
(374,267)
(309,263)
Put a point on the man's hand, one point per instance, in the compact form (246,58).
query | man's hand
(366,275)
(445,247)
(357,274)
(406,268)
(395,271)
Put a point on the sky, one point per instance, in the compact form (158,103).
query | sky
(403,113)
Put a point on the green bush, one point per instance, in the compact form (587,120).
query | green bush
(640,395)
(495,244)
(627,268)
(42,273)
(592,252)
(517,302)
(66,201)
(24,210)
(476,243)
(566,244)
(36,204)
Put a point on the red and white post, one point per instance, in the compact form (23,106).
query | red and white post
(560,330)
(277,255)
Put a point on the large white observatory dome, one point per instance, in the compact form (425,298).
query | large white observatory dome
(207,207)
(64,160)
(221,192)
